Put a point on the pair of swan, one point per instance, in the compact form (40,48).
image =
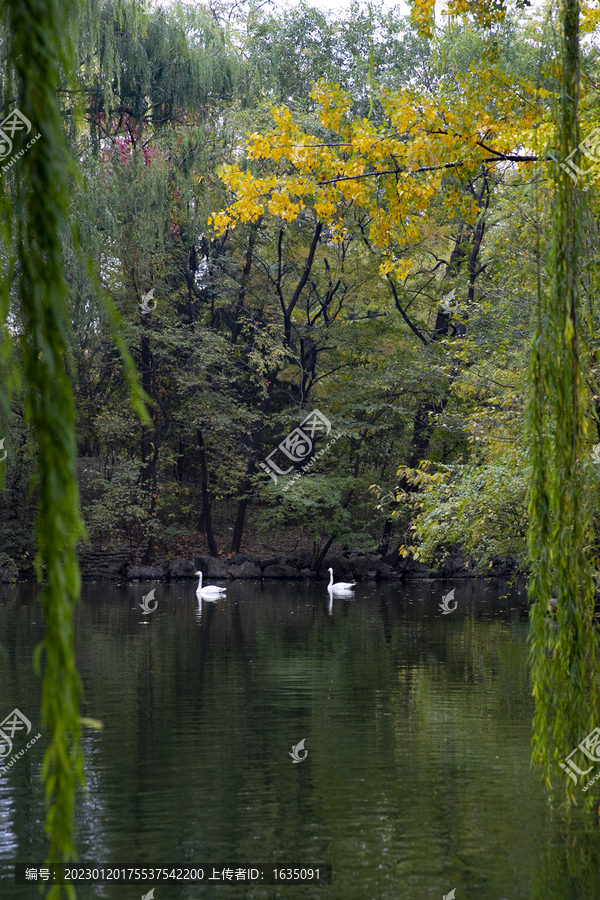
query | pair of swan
(212,591)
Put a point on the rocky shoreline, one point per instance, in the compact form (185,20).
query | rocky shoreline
(101,565)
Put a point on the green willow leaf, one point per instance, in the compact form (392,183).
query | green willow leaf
(40,35)
(562,651)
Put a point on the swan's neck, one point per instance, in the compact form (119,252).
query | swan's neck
(200,582)
(330,579)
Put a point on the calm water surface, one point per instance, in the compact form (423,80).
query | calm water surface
(417,726)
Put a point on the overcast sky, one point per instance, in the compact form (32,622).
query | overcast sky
(342,6)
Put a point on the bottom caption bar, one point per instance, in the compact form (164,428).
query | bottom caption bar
(92,874)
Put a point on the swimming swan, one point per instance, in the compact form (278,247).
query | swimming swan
(340,587)
(211,590)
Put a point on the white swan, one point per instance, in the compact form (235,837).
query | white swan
(340,587)
(210,591)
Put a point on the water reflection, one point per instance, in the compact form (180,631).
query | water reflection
(418,726)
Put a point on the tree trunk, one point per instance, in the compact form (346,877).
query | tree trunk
(149,457)
(422,430)
(318,562)
(237,325)
(385,537)
(179,466)
(147,386)
(206,518)
(287,311)
(238,528)
(148,556)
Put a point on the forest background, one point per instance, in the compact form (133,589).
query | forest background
(227,170)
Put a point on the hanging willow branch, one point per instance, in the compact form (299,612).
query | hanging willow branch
(38,31)
(562,650)
(35,207)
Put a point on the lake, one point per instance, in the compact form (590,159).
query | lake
(414,781)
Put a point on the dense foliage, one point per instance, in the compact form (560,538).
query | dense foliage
(258,319)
